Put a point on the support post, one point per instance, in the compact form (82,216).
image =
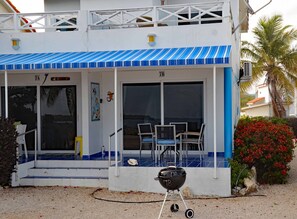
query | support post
(85,118)
(214,122)
(116,120)
(6,94)
(228,112)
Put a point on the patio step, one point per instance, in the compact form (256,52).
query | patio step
(64,181)
(69,172)
(83,173)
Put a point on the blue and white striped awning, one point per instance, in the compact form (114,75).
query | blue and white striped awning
(120,58)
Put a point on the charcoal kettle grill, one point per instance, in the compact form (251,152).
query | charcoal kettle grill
(172,178)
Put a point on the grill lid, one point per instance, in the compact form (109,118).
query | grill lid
(172,178)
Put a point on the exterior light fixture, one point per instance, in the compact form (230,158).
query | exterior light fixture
(151,39)
(109,96)
(15,43)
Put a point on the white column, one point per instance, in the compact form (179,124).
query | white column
(116,120)
(6,94)
(214,124)
(85,117)
(162,103)
(38,119)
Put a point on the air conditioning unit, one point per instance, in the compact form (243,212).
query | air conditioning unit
(247,71)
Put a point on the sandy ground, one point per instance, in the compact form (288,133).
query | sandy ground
(277,201)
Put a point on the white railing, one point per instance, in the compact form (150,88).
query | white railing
(58,21)
(109,147)
(158,16)
(166,15)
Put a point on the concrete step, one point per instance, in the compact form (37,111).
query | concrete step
(64,181)
(69,172)
(72,163)
(84,173)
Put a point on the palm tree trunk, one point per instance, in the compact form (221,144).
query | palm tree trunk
(276,100)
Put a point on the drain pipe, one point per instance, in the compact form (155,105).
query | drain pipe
(250,11)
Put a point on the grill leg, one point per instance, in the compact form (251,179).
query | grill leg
(163,205)
(182,198)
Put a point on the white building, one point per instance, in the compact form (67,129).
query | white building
(163,61)
(262,106)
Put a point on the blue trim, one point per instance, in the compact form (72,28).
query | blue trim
(219,154)
(228,111)
(99,154)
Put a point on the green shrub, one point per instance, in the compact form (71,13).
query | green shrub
(8,145)
(265,143)
(292,122)
(238,173)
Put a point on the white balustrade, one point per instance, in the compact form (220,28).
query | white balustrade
(166,15)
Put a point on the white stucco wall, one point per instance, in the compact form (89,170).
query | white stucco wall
(58,5)
(95,127)
(263,110)
(118,39)
(115,4)
(262,91)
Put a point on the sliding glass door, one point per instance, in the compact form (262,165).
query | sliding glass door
(58,117)
(141,104)
(182,102)
(22,107)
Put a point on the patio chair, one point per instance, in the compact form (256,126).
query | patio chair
(21,140)
(196,138)
(180,127)
(146,136)
(165,139)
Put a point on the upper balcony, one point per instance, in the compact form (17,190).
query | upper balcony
(186,24)
(156,16)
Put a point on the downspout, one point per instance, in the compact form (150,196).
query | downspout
(250,11)
(6,94)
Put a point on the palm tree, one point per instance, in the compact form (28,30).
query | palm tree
(275,58)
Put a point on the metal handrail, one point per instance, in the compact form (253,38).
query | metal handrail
(109,146)
(112,134)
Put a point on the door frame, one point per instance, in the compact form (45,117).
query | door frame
(161,81)
(39,150)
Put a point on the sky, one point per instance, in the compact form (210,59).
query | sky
(286,8)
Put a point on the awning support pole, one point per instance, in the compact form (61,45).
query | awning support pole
(116,120)
(6,94)
(214,124)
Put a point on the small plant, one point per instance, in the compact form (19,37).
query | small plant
(8,147)
(239,172)
(266,144)
(292,122)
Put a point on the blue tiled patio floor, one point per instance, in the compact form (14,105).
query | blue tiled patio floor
(145,160)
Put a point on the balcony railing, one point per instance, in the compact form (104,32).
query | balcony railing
(156,16)
(170,15)
(39,21)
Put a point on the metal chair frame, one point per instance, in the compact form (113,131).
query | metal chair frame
(198,139)
(146,136)
(165,136)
